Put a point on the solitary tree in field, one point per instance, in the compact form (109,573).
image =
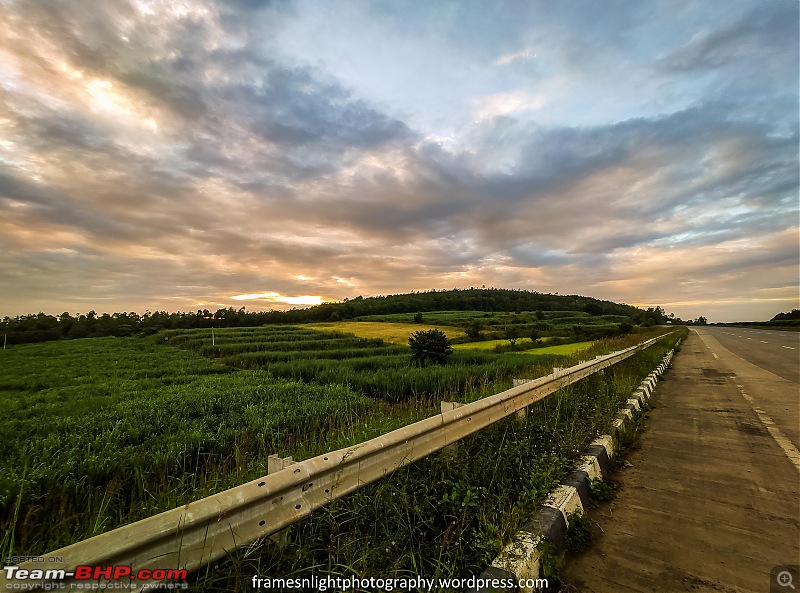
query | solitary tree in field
(512,335)
(474,329)
(431,345)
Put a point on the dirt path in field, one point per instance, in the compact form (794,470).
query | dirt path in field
(711,499)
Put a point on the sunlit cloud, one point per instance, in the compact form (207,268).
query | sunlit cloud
(164,154)
(275,297)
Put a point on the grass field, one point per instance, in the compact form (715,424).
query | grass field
(392,332)
(578,324)
(104,431)
(449,515)
(100,432)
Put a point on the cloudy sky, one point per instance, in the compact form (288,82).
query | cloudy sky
(185,154)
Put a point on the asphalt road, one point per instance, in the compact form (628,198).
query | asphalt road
(711,499)
(774,351)
(766,365)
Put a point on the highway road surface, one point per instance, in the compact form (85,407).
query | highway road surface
(711,500)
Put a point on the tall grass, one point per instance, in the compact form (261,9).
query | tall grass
(449,515)
(99,432)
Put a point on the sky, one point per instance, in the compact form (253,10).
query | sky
(189,154)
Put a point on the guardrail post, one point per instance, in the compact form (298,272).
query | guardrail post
(276,464)
(452,448)
(601,371)
(523,413)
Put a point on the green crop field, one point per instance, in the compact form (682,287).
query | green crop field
(100,432)
(103,431)
(367,365)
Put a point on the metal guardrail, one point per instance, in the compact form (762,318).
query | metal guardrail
(200,532)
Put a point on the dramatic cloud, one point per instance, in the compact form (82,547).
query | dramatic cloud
(190,154)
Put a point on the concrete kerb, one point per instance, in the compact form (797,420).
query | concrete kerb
(522,558)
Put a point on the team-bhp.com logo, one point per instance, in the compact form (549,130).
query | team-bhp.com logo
(17,578)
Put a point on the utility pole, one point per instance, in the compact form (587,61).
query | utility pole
(213,339)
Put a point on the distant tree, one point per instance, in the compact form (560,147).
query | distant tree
(539,315)
(512,335)
(429,346)
(335,316)
(593,309)
(418,317)
(625,328)
(474,329)
(795,314)
(701,320)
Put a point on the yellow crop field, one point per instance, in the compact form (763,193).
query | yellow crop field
(395,333)
(563,349)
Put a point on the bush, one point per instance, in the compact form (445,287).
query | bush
(431,345)
(474,330)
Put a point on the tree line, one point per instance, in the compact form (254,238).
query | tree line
(40,327)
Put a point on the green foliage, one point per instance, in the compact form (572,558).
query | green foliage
(449,515)
(418,317)
(794,314)
(429,346)
(601,490)
(474,329)
(470,302)
(593,309)
(550,561)
(99,433)
(512,335)
(579,534)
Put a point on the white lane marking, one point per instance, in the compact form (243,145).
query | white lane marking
(749,338)
(789,347)
(763,342)
(791,451)
(715,355)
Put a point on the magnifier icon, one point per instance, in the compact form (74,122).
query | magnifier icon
(784,579)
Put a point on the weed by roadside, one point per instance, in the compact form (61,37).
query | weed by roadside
(579,533)
(601,491)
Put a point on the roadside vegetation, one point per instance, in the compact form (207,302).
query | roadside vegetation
(100,432)
(450,514)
